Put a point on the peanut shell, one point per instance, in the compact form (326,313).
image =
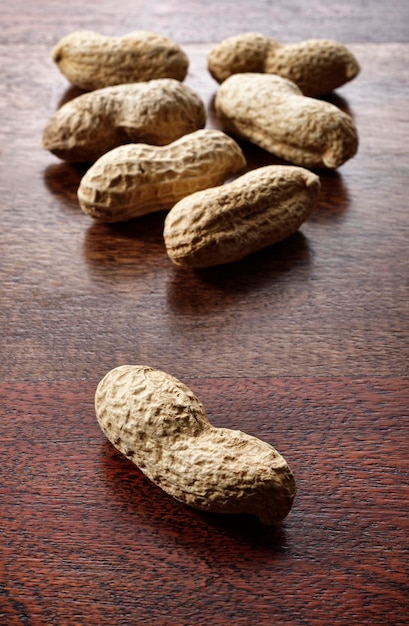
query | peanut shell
(156,112)
(159,424)
(317,66)
(90,60)
(226,223)
(136,179)
(272,113)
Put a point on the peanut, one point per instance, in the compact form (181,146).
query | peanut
(226,223)
(156,112)
(317,66)
(160,425)
(272,112)
(136,179)
(92,61)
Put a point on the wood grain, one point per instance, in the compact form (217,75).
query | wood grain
(336,292)
(304,344)
(89,540)
(347,20)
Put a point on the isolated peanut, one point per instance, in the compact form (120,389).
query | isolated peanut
(226,223)
(92,61)
(160,425)
(317,66)
(272,113)
(136,179)
(155,112)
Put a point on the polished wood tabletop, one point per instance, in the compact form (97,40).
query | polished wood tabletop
(303,345)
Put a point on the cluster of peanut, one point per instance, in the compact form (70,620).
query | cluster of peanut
(144,132)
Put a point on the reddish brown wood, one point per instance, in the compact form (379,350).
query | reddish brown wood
(332,299)
(87,539)
(198,22)
(304,344)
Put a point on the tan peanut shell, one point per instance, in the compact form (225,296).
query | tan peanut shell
(272,113)
(92,61)
(160,425)
(317,66)
(226,223)
(156,112)
(136,179)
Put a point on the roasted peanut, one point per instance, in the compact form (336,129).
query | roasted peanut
(92,61)
(156,112)
(272,112)
(138,178)
(226,223)
(160,425)
(317,66)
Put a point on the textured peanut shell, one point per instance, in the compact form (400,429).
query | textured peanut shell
(226,223)
(136,179)
(160,425)
(317,66)
(156,112)
(272,113)
(92,61)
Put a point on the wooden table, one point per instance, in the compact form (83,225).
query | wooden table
(304,345)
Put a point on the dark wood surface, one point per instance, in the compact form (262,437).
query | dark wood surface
(304,345)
